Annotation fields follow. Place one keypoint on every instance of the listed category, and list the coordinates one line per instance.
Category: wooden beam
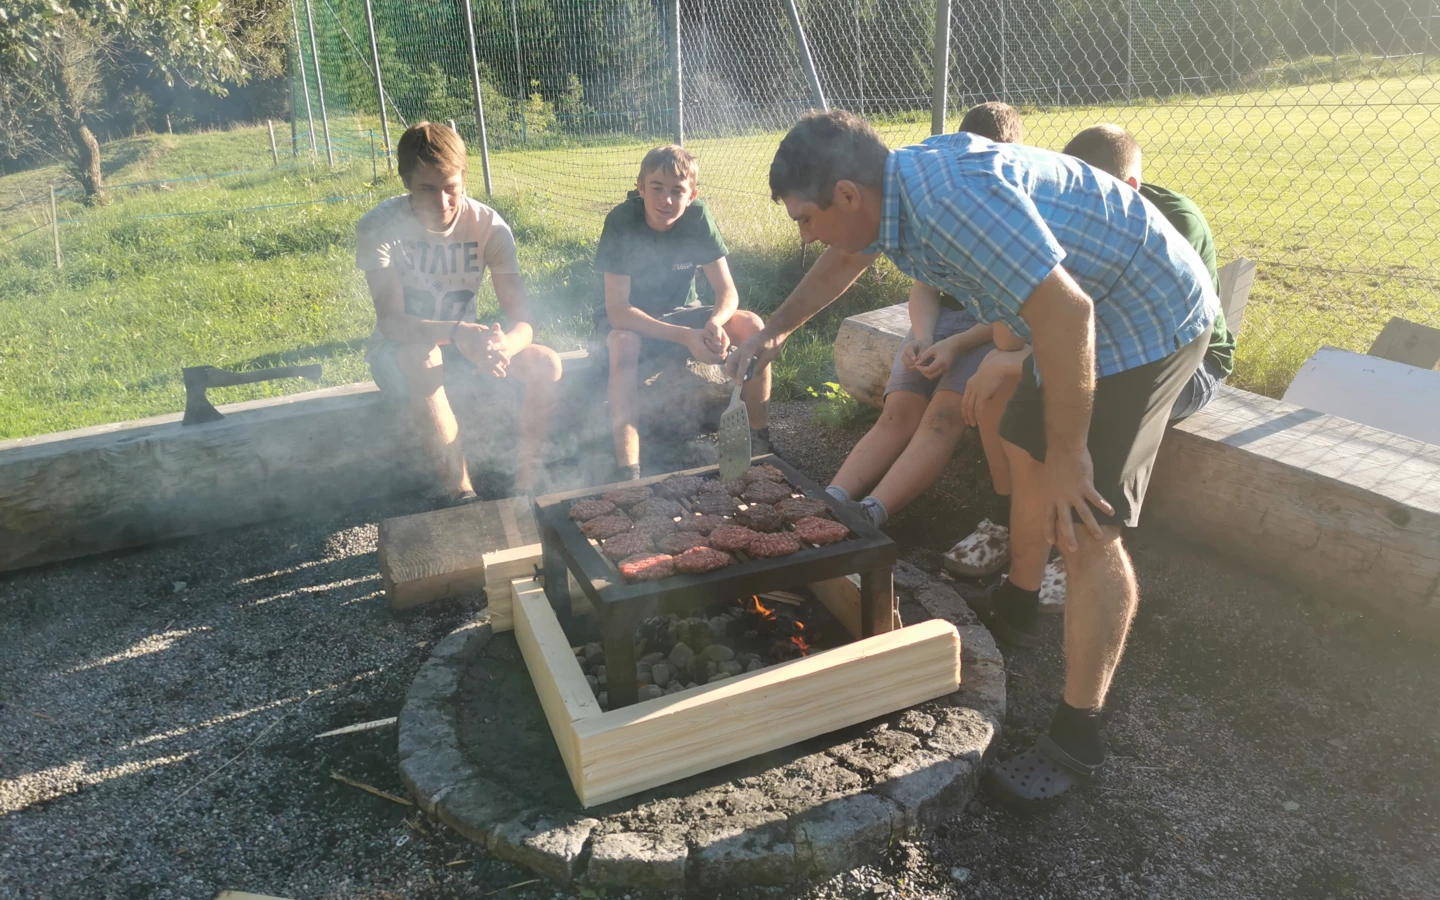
(841, 596)
(1409, 343)
(433, 555)
(564, 693)
(504, 566)
(1344, 509)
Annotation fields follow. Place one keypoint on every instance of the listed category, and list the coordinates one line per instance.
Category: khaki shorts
(1131, 411)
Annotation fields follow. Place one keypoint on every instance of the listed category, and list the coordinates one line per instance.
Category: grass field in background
(1307, 181)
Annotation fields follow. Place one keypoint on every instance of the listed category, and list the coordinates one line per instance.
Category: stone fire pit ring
(476, 752)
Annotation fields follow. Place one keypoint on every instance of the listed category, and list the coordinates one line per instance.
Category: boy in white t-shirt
(424, 255)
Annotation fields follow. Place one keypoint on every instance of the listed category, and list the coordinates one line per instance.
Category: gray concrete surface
(157, 740)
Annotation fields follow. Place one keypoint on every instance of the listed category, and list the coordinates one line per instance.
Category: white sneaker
(985, 552)
(1052, 586)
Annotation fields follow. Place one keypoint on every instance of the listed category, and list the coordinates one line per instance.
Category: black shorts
(654, 355)
(1126, 425)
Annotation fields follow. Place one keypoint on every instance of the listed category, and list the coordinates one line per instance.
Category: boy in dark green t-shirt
(649, 250)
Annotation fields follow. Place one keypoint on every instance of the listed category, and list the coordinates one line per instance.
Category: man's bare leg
(624, 396)
(925, 456)
(877, 451)
(539, 369)
(1099, 607)
(756, 393)
(423, 368)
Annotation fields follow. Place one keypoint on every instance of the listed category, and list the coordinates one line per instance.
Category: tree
(59, 54)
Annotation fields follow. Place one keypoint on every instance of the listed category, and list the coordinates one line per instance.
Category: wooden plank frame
(622, 752)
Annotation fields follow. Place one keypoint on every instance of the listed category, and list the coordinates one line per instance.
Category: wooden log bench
(1335, 506)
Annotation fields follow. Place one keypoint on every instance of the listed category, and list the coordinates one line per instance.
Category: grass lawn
(1331, 188)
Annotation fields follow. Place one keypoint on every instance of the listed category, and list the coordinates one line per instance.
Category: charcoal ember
(820, 531)
(763, 472)
(701, 524)
(760, 518)
(628, 544)
(767, 545)
(767, 492)
(680, 541)
(699, 560)
(656, 506)
(628, 496)
(585, 510)
(716, 504)
(655, 527)
(796, 508)
(605, 527)
(678, 486)
(733, 537)
(647, 566)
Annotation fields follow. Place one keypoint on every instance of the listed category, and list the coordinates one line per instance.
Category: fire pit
(621, 605)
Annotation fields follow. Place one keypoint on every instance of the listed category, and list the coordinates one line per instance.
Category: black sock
(628, 473)
(1077, 731)
(1002, 505)
(1016, 604)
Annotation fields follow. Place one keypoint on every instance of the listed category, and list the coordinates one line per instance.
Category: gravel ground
(158, 712)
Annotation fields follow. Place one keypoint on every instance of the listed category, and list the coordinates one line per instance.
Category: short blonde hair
(432, 144)
(672, 159)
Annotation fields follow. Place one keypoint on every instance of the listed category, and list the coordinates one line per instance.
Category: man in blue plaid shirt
(1118, 308)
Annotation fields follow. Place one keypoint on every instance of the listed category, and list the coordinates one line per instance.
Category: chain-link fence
(1307, 130)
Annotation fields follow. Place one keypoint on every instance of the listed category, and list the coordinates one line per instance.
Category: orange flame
(800, 642)
(761, 608)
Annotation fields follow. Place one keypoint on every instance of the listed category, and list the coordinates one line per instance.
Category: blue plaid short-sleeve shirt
(988, 222)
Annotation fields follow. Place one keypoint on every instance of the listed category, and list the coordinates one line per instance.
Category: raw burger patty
(656, 506)
(820, 531)
(716, 504)
(603, 527)
(647, 567)
(796, 508)
(774, 544)
(628, 496)
(655, 527)
(733, 537)
(701, 524)
(628, 544)
(585, 510)
(701, 560)
(677, 486)
(766, 492)
(761, 518)
(763, 472)
(680, 542)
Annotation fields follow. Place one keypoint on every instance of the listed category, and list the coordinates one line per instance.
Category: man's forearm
(1062, 328)
(831, 275)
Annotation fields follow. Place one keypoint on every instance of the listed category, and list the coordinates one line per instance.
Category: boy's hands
(716, 338)
(910, 352)
(982, 386)
(937, 359)
(699, 342)
(486, 348)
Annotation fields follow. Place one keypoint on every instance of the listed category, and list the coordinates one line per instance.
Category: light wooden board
(1339, 507)
(1376, 392)
(841, 596)
(503, 567)
(1409, 343)
(434, 555)
(1236, 279)
(655, 742)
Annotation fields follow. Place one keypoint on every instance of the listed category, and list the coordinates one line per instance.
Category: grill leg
(877, 601)
(620, 660)
(557, 583)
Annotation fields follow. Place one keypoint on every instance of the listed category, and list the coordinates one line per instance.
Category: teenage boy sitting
(1114, 151)
(424, 255)
(649, 250)
(906, 450)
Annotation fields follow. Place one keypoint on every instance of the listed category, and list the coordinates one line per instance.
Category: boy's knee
(945, 416)
(418, 363)
(624, 347)
(902, 411)
(744, 324)
(539, 364)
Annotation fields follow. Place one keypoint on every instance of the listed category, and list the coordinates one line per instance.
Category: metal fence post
(519, 69)
(806, 61)
(479, 103)
(859, 64)
(304, 83)
(379, 87)
(319, 87)
(55, 228)
(1004, 58)
(673, 11)
(940, 76)
(274, 154)
(1129, 50)
(1335, 40)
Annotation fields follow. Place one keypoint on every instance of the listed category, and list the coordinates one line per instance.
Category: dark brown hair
(1109, 148)
(1000, 122)
(822, 149)
(432, 144)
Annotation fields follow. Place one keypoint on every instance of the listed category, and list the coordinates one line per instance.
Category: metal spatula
(734, 437)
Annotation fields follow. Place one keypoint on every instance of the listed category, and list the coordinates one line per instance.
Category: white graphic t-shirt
(439, 271)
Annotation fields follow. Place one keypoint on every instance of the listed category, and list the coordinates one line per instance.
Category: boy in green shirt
(649, 250)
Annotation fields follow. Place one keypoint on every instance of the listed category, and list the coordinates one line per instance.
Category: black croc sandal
(1033, 780)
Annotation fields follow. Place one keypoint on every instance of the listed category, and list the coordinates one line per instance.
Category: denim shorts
(1202, 387)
